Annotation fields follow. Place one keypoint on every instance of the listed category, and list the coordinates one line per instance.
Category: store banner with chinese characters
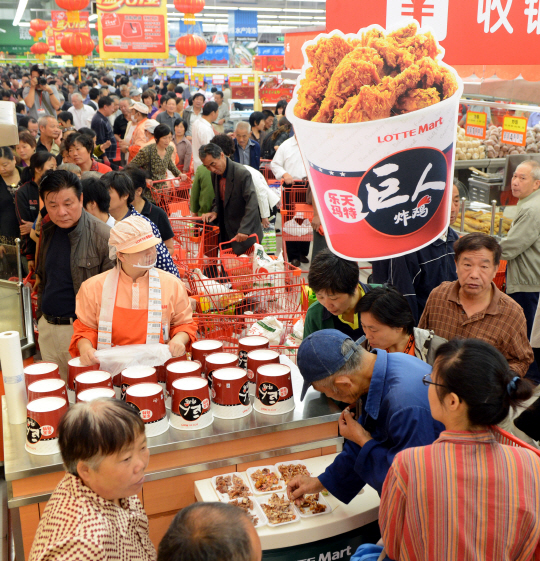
(482, 32)
(60, 27)
(243, 23)
(133, 28)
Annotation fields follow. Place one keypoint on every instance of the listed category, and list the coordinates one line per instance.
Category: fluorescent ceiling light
(2, 30)
(20, 12)
(260, 9)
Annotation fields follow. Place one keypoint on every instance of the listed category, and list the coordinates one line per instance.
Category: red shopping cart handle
(221, 248)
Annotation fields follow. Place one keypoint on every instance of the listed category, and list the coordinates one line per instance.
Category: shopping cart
(500, 277)
(172, 195)
(296, 214)
(194, 240)
(266, 170)
(260, 292)
(504, 437)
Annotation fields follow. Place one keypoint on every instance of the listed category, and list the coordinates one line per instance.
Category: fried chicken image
(324, 58)
(416, 99)
(361, 67)
(373, 77)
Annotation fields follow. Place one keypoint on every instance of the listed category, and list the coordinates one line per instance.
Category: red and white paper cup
(40, 371)
(42, 419)
(137, 375)
(247, 344)
(274, 389)
(95, 393)
(48, 387)
(386, 182)
(74, 369)
(230, 393)
(92, 379)
(201, 349)
(148, 400)
(180, 370)
(219, 360)
(162, 369)
(190, 406)
(258, 358)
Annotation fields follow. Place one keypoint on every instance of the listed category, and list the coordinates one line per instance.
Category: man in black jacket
(235, 202)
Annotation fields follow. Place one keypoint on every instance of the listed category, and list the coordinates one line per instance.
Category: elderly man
(39, 97)
(94, 512)
(521, 248)
(73, 248)
(82, 114)
(49, 131)
(235, 205)
(193, 112)
(31, 124)
(473, 307)
(102, 127)
(169, 116)
(416, 274)
(246, 151)
(223, 112)
(202, 131)
(135, 95)
(395, 411)
(210, 532)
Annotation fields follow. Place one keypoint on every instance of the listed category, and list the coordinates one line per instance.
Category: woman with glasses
(388, 323)
(466, 496)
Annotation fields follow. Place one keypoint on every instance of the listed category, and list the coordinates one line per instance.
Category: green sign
(15, 40)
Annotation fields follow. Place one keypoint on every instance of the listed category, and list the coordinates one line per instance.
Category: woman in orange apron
(134, 303)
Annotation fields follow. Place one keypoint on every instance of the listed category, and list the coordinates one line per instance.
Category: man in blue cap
(395, 411)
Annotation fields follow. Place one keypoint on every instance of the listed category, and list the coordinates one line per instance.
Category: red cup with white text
(230, 393)
(149, 401)
(48, 387)
(201, 349)
(92, 379)
(74, 369)
(42, 419)
(190, 406)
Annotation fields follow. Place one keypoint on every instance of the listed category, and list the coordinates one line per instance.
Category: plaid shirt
(79, 525)
(502, 323)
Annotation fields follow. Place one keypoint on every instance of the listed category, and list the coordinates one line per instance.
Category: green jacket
(318, 317)
(202, 192)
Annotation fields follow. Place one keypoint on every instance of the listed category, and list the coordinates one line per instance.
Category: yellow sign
(514, 131)
(133, 29)
(475, 125)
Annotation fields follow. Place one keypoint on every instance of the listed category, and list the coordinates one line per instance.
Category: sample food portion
(481, 222)
(288, 471)
(232, 485)
(246, 505)
(310, 505)
(279, 510)
(265, 480)
(372, 76)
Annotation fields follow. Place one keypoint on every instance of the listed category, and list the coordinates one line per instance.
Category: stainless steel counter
(314, 410)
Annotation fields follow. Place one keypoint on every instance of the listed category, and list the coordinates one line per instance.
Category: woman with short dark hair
(388, 323)
(157, 157)
(94, 511)
(466, 496)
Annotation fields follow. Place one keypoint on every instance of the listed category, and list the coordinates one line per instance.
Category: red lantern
(34, 33)
(79, 46)
(37, 26)
(72, 7)
(190, 8)
(191, 46)
(40, 50)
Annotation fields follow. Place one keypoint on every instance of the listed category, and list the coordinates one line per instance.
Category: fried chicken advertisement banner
(375, 117)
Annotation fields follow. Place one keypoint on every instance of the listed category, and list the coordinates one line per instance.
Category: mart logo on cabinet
(429, 13)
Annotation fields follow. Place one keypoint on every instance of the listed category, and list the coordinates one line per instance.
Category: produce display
(372, 76)
(481, 222)
(468, 148)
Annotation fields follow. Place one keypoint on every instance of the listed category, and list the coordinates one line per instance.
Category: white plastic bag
(298, 330)
(214, 294)
(116, 359)
(269, 327)
(292, 227)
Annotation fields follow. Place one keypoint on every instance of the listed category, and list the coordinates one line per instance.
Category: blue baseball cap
(319, 356)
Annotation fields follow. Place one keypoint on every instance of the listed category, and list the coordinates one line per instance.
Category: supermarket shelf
(487, 163)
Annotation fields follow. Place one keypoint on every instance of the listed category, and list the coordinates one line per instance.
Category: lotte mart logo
(428, 13)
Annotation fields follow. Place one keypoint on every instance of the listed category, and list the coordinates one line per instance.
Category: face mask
(133, 118)
(139, 266)
(147, 261)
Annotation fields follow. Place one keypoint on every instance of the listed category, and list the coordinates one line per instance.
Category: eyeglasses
(427, 381)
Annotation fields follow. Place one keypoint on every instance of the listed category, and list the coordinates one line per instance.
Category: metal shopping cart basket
(172, 195)
(504, 437)
(194, 240)
(296, 214)
(266, 170)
